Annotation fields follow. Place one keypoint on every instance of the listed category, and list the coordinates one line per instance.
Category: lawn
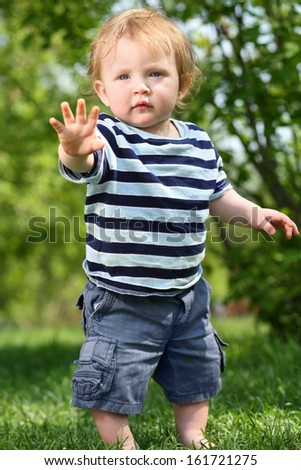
(258, 408)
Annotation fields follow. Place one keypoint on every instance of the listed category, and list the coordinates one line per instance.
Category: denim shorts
(131, 339)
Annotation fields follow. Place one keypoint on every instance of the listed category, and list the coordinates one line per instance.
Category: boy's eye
(155, 74)
(124, 76)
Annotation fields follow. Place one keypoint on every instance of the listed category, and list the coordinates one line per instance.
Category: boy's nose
(141, 88)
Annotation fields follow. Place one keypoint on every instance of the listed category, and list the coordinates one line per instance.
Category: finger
(97, 144)
(93, 117)
(81, 114)
(286, 224)
(67, 113)
(269, 228)
(267, 225)
(290, 230)
(94, 113)
(295, 230)
(57, 125)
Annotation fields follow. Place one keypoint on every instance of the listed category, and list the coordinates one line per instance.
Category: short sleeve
(222, 183)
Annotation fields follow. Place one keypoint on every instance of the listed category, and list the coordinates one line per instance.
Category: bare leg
(114, 428)
(191, 420)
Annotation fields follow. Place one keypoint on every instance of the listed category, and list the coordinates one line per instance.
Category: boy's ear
(101, 92)
(184, 85)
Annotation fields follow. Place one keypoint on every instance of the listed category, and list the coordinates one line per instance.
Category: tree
(251, 103)
(43, 54)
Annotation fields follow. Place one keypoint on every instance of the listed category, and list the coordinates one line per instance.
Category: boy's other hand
(270, 220)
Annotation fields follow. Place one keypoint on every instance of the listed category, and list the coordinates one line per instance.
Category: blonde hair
(154, 31)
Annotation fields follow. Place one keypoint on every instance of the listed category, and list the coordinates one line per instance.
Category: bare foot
(197, 442)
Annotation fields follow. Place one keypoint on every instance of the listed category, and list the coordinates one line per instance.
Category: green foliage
(272, 282)
(249, 103)
(258, 408)
(43, 54)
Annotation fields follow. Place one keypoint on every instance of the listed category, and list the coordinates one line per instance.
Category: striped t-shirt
(146, 206)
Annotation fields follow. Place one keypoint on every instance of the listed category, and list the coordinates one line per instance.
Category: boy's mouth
(142, 105)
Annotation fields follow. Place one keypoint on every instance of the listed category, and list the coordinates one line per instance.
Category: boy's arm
(235, 209)
(77, 137)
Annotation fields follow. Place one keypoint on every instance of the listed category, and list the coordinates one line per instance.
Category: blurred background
(250, 54)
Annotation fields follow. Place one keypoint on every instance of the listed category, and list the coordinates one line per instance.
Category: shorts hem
(106, 405)
(193, 397)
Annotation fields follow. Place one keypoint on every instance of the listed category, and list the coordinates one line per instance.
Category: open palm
(77, 134)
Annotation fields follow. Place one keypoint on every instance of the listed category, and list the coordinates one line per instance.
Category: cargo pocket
(98, 301)
(220, 345)
(80, 305)
(96, 368)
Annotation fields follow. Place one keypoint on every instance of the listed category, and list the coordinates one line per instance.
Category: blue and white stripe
(146, 206)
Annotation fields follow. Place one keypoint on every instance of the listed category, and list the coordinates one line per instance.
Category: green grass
(258, 408)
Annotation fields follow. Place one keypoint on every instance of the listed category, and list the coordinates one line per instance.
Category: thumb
(97, 144)
(57, 125)
(266, 226)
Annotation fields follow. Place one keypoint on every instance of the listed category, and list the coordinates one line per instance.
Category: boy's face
(140, 87)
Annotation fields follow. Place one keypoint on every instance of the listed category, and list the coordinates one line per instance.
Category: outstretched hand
(270, 220)
(235, 209)
(77, 134)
